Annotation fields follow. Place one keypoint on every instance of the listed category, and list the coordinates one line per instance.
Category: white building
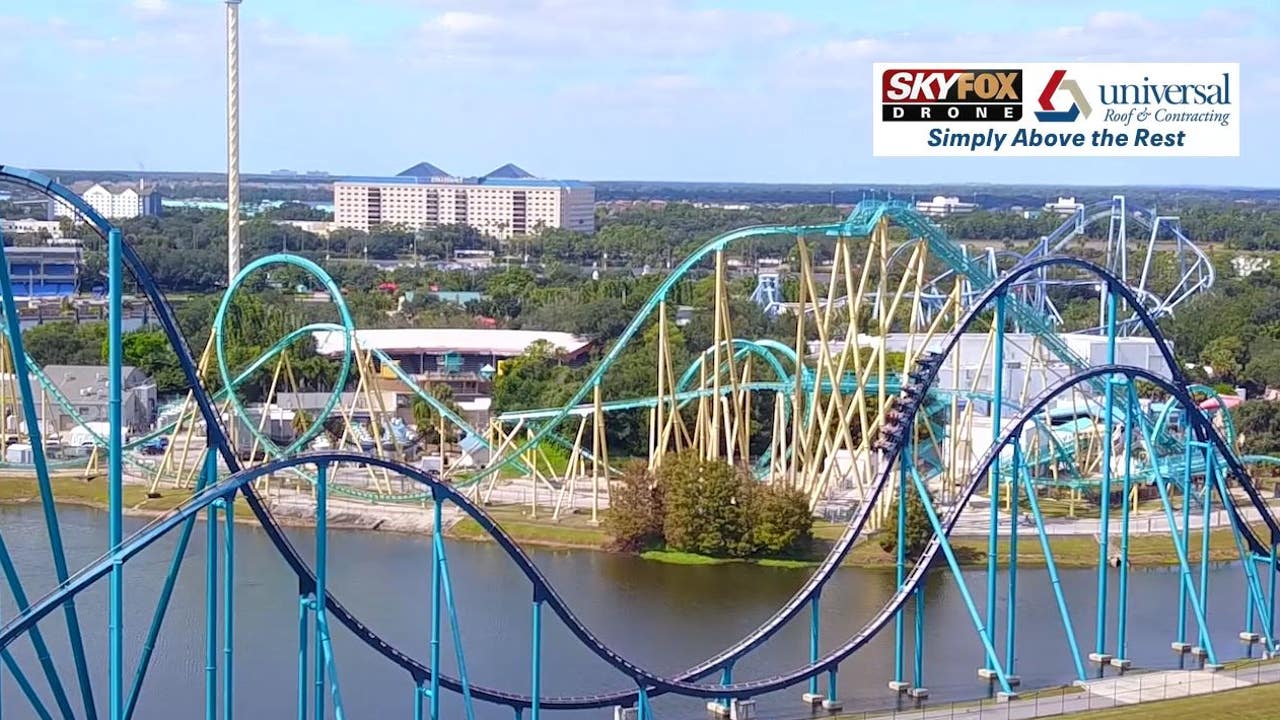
(1063, 206)
(504, 203)
(117, 203)
(27, 226)
(1029, 366)
(941, 206)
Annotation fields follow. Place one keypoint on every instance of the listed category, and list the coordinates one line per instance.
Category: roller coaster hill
(919, 372)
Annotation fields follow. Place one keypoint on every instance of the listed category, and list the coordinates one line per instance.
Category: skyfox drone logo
(950, 94)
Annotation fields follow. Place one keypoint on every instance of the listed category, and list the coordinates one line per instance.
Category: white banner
(1056, 109)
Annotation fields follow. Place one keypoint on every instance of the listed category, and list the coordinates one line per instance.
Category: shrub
(635, 515)
(782, 522)
(918, 528)
(706, 507)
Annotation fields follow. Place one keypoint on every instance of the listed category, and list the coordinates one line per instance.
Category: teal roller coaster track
(1195, 462)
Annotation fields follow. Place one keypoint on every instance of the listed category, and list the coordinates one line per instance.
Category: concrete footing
(1099, 658)
(1180, 647)
(742, 709)
(717, 708)
(832, 705)
(626, 713)
(1006, 696)
(986, 673)
(1250, 637)
(1212, 667)
(812, 699)
(1199, 651)
(1121, 663)
(899, 687)
(919, 693)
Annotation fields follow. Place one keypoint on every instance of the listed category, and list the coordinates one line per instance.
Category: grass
(1252, 703)
(672, 557)
(1069, 551)
(573, 531)
(74, 490)
(576, 531)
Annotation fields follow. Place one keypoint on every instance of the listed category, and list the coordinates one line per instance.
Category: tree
(782, 523)
(150, 352)
(1227, 356)
(1259, 422)
(636, 513)
(428, 420)
(919, 531)
(706, 506)
(535, 379)
(67, 343)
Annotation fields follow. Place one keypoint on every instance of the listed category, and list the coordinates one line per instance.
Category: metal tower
(233, 139)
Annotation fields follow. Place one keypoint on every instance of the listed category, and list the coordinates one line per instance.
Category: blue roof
(510, 171)
(424, 170)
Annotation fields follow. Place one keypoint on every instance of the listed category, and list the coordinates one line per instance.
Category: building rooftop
(490, 181)
(87, 384)
(70, 254)
(424, 170)
(506, 343)
(510, 171)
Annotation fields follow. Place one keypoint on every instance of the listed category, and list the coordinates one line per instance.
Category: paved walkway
(1100, 694)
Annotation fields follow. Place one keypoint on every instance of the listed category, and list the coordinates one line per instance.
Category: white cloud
(153, 6)
(457, 22)
(620, 32)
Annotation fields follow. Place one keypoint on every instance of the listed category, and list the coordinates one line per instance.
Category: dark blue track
(685, 683)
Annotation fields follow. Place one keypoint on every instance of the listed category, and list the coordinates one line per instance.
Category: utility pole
(233, 139)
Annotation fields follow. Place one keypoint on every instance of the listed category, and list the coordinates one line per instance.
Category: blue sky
(716, 90)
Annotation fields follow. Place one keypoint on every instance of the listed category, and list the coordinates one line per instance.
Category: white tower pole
(233, 139)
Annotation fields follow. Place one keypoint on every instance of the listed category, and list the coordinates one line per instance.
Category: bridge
(843, 417)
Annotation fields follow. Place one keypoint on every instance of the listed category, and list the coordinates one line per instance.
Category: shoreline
(575, 533)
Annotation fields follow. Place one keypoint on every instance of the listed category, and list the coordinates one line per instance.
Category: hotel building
(503, 203)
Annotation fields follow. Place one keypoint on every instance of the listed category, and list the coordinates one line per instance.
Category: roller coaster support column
(324, 663)
(1052, 567)
(1180, 546)
(23, 377)
(535, 690)
(1210, 472)
(898, 684)
(115, 467)
(435, 610)
(919, 692)
(993, 487)
(1121, 660)
(211, 613)
(813, 697)
(940, 537)
(1099, 654)
(1181, 645)
(1011, 607)
(228, 605)
(1271, 596)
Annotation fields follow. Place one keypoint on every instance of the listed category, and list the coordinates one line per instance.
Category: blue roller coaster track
(1211, 470)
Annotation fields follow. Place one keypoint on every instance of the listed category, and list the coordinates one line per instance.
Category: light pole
(233, 139)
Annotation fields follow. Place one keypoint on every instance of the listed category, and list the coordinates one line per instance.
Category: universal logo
(915, 95)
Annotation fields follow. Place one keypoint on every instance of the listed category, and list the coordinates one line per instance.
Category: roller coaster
(877, 400)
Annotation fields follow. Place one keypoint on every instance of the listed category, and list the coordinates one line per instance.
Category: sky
(675, 90)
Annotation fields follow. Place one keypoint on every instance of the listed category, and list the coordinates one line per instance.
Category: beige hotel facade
(497, 204)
